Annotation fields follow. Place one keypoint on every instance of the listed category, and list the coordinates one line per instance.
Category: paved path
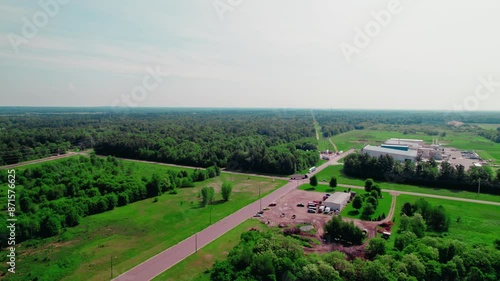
(396, 192)
(171, 256)
(69, 154)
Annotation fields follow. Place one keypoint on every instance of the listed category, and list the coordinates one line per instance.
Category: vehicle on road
(258, 215)
(272, 204)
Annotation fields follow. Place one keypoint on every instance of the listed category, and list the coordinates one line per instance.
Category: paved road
(69, 154)
(171, 256)
(396, 192)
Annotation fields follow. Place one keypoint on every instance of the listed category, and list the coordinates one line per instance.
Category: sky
(396, 54)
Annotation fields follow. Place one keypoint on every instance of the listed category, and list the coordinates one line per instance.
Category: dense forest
(426, 173)
(259, 140)
(252, 140)
(57, 195)
(272, 255)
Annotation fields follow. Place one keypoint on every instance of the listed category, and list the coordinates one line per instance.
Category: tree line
(252, 140)
(57, 195)
(425, 173)
(268, 255)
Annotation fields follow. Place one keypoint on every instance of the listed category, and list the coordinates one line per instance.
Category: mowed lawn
(336, 170)
(384, 207)
(196, 266)
(133, 233)
(479, 223)
(384, 204)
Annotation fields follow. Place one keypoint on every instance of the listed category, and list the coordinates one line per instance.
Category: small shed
(337, 201)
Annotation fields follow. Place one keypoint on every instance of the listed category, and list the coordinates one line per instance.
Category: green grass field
(479, 224)
(135, 232)
(488, 126)
(320, 188)
(324, 144)
(336, 170)
(384, 206)
(195, 266)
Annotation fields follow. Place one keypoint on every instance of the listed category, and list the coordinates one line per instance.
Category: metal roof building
(337, 201)
(409, 142)
(398, 155)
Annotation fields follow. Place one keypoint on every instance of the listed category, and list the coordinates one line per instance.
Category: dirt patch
(286, 208)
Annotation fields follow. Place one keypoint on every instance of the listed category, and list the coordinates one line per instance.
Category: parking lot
(455, 157)
(286, 207)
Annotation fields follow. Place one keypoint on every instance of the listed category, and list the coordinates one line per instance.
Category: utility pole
(260, 200)
(111, 259)
(479, 186)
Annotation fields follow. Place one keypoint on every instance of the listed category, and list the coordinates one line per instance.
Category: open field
(324, 144)
(134, 232)
(320, 188)
(479, 224)
(194, 267)
(336, 170)
(462, 140)
(488, 126)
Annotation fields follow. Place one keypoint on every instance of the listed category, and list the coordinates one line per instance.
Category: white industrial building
(397, 155)
(337, 201)
(411, 143)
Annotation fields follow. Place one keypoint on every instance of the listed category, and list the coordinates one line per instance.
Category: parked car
(272, 204)
(327, 210)
(257, 215)
(300, 205)
(311, 211)
(321, 208)
(260, 212)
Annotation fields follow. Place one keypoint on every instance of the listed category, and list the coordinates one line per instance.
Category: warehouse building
(337, 201)
(396, 154)
(411, 143)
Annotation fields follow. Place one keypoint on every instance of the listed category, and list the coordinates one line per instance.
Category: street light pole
(479, 186)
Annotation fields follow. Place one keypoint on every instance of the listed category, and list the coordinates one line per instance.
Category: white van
(327, 210)
(321, 208)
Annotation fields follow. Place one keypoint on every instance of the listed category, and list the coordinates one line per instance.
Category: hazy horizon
(382, 55)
